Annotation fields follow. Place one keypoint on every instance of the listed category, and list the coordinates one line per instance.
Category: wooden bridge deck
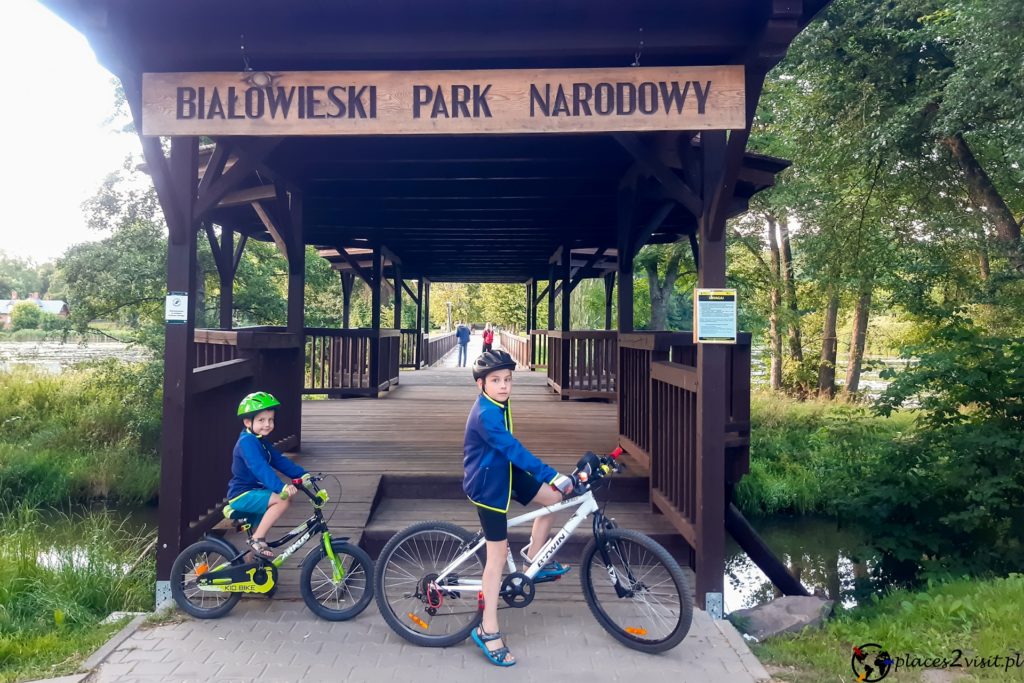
(399, 458)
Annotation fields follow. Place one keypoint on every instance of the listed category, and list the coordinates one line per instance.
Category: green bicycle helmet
(256, 402)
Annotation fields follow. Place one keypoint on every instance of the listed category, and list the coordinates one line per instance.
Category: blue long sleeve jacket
(253, 463)
(490, 450)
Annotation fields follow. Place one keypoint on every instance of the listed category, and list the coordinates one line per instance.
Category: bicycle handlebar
(584, 480)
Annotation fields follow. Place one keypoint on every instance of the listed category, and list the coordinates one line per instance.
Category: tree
(664, 265)
(26, 315)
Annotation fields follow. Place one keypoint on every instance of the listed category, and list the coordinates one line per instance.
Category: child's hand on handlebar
(563, 484)
(288, 491)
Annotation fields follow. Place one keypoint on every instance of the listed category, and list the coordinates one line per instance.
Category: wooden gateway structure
(415, 142)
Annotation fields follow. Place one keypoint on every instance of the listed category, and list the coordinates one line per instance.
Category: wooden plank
(675, 374)
(444, 102)
(218, 374)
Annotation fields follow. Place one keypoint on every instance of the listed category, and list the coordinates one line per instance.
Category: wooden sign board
(443, 102)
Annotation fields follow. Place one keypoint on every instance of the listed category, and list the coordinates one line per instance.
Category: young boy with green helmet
(255, 489)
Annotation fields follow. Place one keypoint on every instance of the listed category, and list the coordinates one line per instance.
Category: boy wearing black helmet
(498, 468)
(255, 488)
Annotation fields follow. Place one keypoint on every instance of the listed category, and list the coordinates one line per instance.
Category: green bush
(25, 316)
(952, 494)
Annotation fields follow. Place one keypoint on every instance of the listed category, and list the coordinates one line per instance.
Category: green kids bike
(209, 577)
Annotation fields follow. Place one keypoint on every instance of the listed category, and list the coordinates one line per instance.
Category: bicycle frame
(587, 506)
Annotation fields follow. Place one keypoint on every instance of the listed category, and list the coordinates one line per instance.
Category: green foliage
(89, 432)
(980, 618)
(26, 316)
(59, 576)
(957, 503)
(807, 457)
(23, 276)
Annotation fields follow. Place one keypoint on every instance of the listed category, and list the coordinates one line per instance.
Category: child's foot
(260, 549)
(552, 570)
(493, 646)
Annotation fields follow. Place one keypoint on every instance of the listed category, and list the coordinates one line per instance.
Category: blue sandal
(497, 657)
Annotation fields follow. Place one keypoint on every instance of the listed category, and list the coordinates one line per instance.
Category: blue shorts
(253, 503)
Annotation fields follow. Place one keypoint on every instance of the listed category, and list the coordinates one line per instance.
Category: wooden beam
(276, 231)
(218, 258)
(408, 289)
(557, 256)
(391, 256)
(215, 166)
(248, 158)
(651, 164)
(366, 277)
(643, 234)
(238, 253)
(625, 201)
(247, 196)
(582, 270)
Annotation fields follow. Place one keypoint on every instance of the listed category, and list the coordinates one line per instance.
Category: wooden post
(426, 306)
(609, 288)
(398, 296)
(296, 267)
(226, 271)
(531, 288)
(348, 279)
(375, 345)
(625, 202)
(565, 347)
(711, 399)
(551, 296)
(179, 351)
(419, 323)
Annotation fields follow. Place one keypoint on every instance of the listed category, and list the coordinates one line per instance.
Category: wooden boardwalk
(399, 459)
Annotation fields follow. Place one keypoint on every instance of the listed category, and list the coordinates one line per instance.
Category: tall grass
(980, 618)
(58, 579)
(805, 456)
(90, 432)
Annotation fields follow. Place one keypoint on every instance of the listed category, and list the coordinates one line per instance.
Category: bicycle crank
(517, 590)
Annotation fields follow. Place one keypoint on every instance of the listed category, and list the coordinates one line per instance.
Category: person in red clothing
(488, 338)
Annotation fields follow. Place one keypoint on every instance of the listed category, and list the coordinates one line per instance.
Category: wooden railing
(407, 355)
(258, 358)
(436, 346)
(659, 415)
(582, 364)
(517, 346)
(539, 351)
(359, 362)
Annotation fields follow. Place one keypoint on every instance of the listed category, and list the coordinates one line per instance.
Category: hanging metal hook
(639, 48)
(245, 56)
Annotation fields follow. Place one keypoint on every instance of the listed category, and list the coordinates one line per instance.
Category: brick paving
(282, 641)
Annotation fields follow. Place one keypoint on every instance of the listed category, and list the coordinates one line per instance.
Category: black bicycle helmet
(491, 361)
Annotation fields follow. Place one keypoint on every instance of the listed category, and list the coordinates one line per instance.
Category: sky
(56, 145)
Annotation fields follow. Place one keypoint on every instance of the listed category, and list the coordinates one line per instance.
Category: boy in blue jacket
(255, 488)
(497, 469)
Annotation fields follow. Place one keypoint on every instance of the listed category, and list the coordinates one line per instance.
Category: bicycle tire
(180, 578)
(317, 585)
(447, 537)
(640, 611)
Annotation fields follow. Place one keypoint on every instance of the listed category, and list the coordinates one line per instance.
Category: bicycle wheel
(337, 600)
(195, 560)
(655, 615)
(417, 609)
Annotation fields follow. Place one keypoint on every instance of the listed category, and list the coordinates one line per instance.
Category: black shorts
(524, 490)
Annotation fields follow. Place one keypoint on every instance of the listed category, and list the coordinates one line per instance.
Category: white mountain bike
(429, 576)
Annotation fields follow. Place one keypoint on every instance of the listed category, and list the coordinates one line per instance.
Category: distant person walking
(462, 336)
(488, 338)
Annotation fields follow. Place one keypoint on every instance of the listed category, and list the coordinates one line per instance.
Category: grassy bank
(980, 618)
(804, 455)
(90, 432)
(58, 579)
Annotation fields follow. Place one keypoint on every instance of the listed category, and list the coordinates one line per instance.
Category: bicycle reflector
(419, 622)
(202, 569)
(636, 631)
